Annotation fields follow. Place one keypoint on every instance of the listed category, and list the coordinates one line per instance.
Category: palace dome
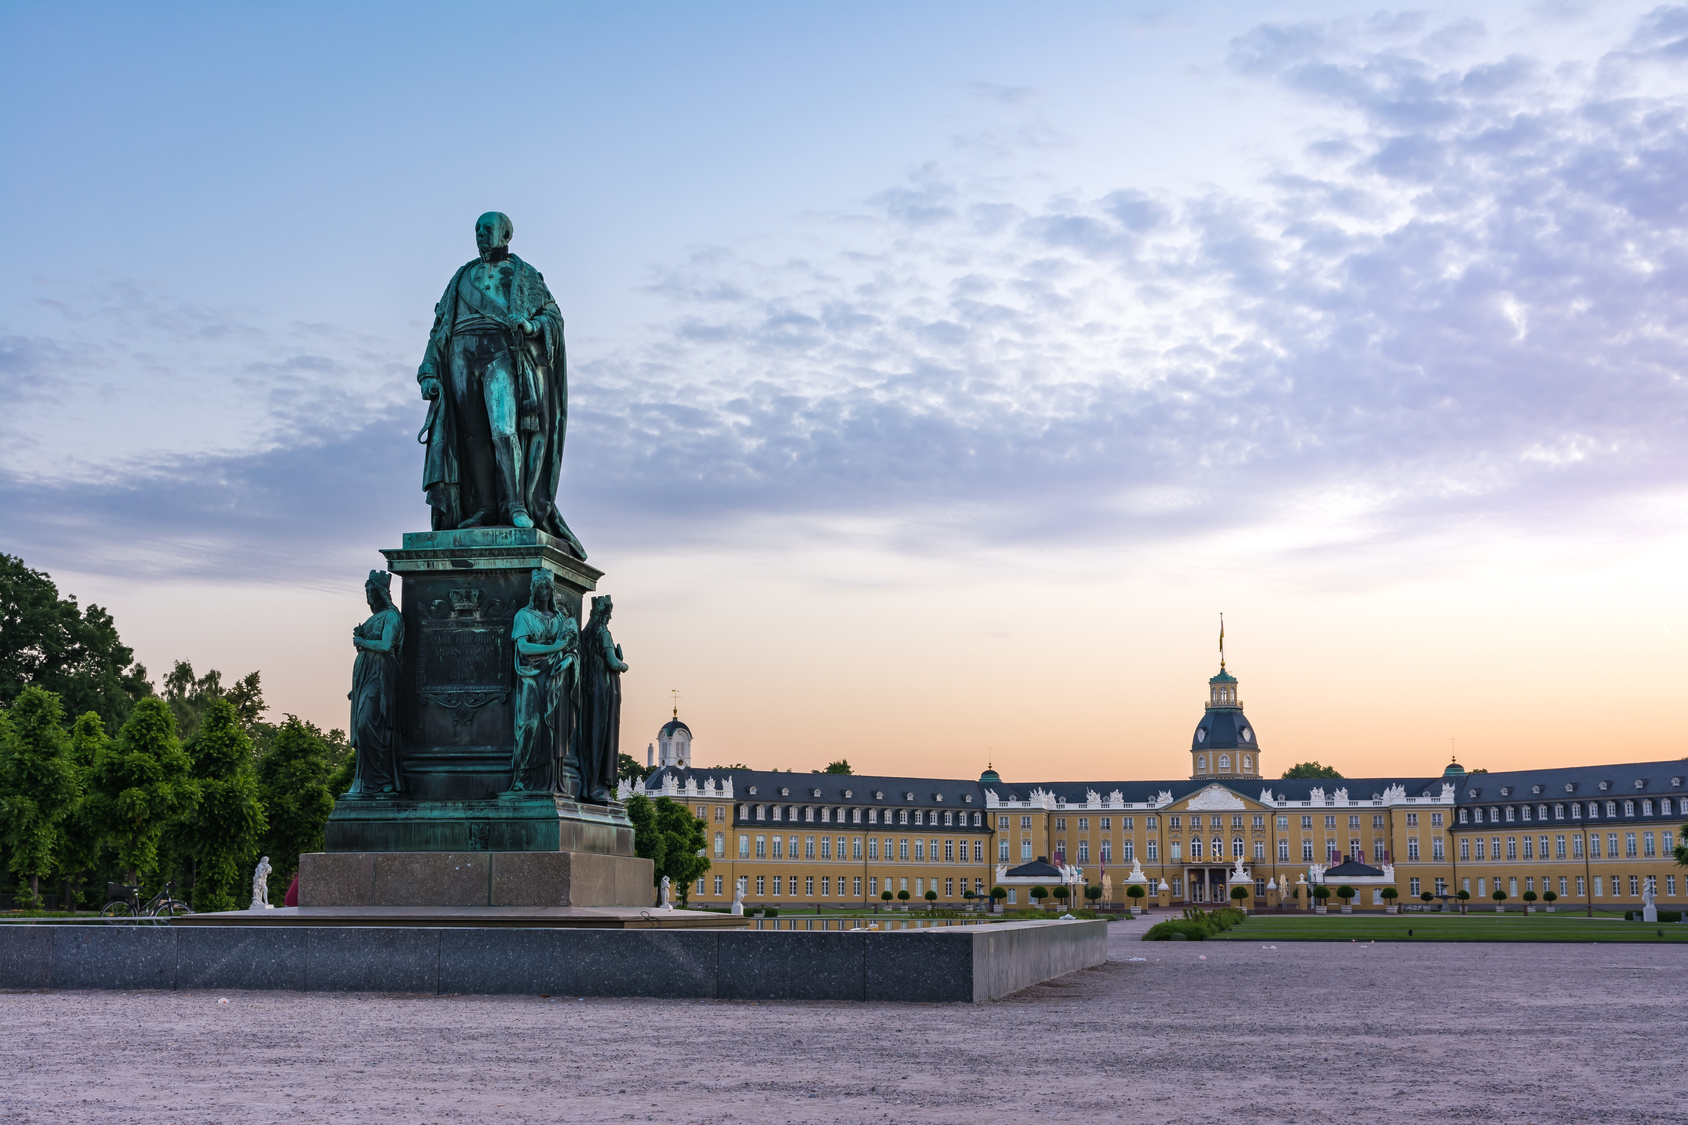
(671, 726)
(1225, 729)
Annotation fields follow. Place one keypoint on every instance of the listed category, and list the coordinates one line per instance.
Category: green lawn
(1476, 926)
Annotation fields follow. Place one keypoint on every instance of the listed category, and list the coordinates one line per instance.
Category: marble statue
(261, 886)
(667, 894)
(1649, 909)
(379, 642)
(1237, 872)
(738, 897)
(496, 379)
(547, 649)
(1136, 875)
(597, 734)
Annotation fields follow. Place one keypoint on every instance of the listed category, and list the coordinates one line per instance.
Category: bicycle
(126, 903)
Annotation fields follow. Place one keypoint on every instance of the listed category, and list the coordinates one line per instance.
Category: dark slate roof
(1222, 729)
(775, 787)
(1036, 869)
(673, 725)
(1359, 788)
(1353, 869)
(1576, 783)
(1223, 677)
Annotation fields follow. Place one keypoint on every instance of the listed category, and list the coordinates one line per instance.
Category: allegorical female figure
(375, 692)
(547, 648)
(597, 734)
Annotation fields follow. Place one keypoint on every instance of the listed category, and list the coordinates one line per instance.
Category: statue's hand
(430, 388)
(529, 328)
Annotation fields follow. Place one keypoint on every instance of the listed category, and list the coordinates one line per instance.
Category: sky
(939, 373)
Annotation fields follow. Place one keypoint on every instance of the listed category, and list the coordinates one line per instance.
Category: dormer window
(783, 792)
(848, 794)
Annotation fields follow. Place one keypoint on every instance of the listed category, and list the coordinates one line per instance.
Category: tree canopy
(293, 779)
(672, 838)
(39, 784)
(140, 785)
(50, 642)
(840, 766)
(190, 698)
(223, 832)
(1312, 769)
(627, 768)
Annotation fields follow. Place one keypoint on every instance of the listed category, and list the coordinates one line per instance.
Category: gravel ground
(1300, 1032)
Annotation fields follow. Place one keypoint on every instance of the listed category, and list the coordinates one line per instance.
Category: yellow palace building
(1591, 835)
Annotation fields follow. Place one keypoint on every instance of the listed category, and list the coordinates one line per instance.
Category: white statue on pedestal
(1136, 875)
(1649, 911)
(738, 897)
(261, 886)
(667, 895)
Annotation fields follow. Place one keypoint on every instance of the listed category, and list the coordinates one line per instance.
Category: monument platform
(511, 822)
(474, 879)
(474, 917)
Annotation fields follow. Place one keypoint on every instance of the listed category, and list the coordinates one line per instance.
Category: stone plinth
(451, 879)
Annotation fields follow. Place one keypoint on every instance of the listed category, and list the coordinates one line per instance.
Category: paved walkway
(1303, 1033)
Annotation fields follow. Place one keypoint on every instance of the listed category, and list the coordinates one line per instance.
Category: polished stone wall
(963, 964)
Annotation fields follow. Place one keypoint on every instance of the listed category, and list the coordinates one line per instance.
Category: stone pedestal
(474, 879)
(1649, 913)
(456, 835)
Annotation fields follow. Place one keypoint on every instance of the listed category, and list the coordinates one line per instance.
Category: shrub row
(1195, 925)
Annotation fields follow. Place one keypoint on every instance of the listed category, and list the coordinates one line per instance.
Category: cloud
(1462, 300)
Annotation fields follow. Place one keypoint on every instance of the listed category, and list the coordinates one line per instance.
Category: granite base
(474, 878)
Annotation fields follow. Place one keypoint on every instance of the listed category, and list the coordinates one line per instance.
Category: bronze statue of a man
(496, 377)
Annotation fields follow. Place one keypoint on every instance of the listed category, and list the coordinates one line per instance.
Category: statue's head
(493, 231)
(601, 606)
(378, 589)
(542, 588)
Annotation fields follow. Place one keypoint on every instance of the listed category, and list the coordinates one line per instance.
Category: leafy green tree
(670, 837)
(224, 831)
(627, 768)
(190, 698)
(140, 785)
(840, 766)
(50, 642)
(1312, 769)
(80, 848)
(293, 782)
(38, 785)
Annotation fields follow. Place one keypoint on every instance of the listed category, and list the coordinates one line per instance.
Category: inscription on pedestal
(465, 657)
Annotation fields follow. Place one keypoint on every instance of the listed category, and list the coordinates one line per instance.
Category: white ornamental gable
(1216, 797)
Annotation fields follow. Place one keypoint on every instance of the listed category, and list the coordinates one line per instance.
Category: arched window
(1224, 761)
(1201, 763)
(1248, 764)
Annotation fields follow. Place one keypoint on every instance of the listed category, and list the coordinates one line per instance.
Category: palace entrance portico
(1207, 884)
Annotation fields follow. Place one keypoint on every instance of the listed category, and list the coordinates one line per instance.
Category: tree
(997, 895)
(1499, 896)
(903, 897)
(1462, 896)
(1426, 896)
(1390, 894)
(931, 897)
(886, 896)
(38, 784)
(1039, 894)
(670, 837)
(293, 785)
(80, 848)
(223, 833)
(1346, 894)
(627, 768)
(737, 766)
(140, 786)
(1321, 893)
(1094, 894)
(1312, 769)
(1238, 894)
(50, 642)
(1135, 892)
(1061, 894)
(840, 766)
(190, 698)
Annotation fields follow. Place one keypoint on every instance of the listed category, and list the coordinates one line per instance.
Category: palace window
(1647, 808)
(1355, 850)
(1237, 847)
(1511, 848)
(809, 886)
(1195, 847)
(776, 886)
(744, 847)
(1283, 822)
(1441, 886)
(949, 888)
(1670, 885)
(1084, 850)
(1107, 851)
(1025, 850)
(1248, 766)
(1464, 849)
(902, 849)
(1558, 847)
(1353, 822)
(1260, 849)
(1237, 822)
(1576, 849)
(777, 850)
(1060, 824)
(1594, 845)
(949, 817)
(720, 845)
(1412, 887)
(1002, 850)
(1084, 824)
(1377, 821)
(761, 885)
(826, 886)
(1634, 887)
(1611, 845)
(856, 848)
(1307, 848)
(1002, 822)
(1330, 822)
(1306, 822)
(1611, 811)
(808, 847)
(855, 886)
(1629, 808)
(1283, 850)
(1151, 848)
(1462, 819)
(1510, 810)
(1148, 822)
(1412, 847)
(1224, 761)
(1435, 820)
(1175, 822)
(1664, 807)
(826, 847)
(718, 884)
(1629, 845)
(1025, 822)
(1436, 850)
(1201, 763)
(1176, 850)
(1377, 849)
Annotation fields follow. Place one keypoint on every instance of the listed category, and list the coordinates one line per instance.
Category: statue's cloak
(542, 375)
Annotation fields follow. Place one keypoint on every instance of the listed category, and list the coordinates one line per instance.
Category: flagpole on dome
(1221, 642)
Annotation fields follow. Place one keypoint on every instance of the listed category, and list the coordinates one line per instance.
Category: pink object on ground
(292, 896)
